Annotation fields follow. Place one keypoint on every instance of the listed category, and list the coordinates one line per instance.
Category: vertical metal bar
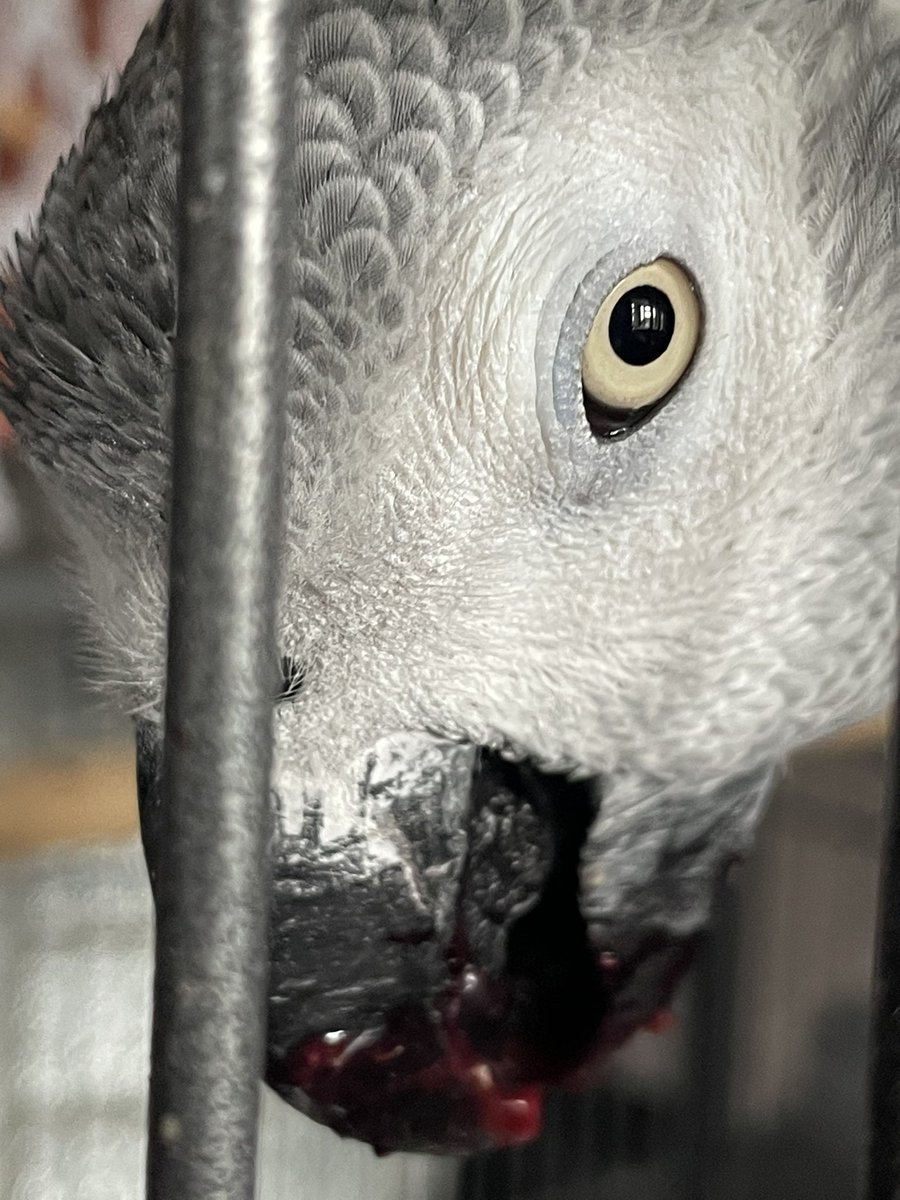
(884, 1079)
(213, 888)
(710, 1051)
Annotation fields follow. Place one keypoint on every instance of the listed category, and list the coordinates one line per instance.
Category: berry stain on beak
(467, 1069)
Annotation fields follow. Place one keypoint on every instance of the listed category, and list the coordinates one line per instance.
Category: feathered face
(592, 500)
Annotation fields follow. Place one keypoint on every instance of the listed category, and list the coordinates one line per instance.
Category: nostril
(292, 677)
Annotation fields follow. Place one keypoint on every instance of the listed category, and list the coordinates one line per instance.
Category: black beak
(425, 999)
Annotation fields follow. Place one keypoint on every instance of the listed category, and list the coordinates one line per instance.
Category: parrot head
(591, 501)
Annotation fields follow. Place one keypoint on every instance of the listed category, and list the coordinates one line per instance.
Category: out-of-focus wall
(55, 56)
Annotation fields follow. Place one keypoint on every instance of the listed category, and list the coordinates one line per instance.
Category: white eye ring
(611, 382)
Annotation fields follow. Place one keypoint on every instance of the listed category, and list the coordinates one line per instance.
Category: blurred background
(757, 1089)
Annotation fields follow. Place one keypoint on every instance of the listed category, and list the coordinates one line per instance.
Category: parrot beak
(426, 1003)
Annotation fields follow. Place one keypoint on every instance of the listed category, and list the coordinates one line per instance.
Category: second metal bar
(884, 1082)
(213, 882)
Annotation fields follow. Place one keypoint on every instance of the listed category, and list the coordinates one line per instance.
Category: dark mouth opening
(537, 1020)
(530, 1000)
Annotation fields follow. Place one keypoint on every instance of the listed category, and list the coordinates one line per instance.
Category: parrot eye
(639, 347)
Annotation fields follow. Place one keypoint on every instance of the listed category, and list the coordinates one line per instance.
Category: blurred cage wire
(762, 1089)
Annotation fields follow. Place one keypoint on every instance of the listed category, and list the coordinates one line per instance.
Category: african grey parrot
(592, 499)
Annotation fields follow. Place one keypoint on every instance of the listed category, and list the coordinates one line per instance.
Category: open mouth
(431, 969)
(517, 997)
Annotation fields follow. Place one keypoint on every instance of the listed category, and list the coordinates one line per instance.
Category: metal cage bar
(213, 889)
(884, 1089)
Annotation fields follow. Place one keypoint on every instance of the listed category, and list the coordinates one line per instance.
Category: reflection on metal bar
(231, 374)
(884, 1094)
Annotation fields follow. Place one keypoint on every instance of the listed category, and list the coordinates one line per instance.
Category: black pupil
(641, 326)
